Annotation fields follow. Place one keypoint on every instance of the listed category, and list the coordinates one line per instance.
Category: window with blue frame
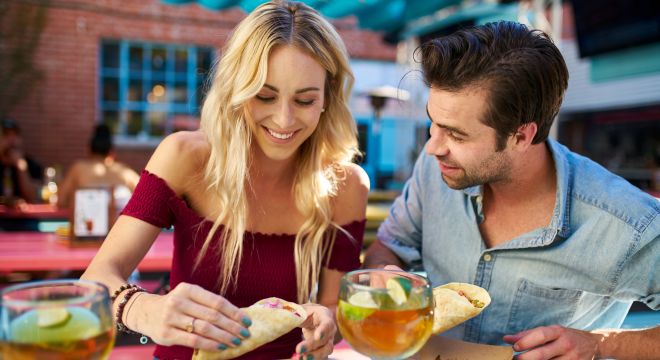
(149, 90)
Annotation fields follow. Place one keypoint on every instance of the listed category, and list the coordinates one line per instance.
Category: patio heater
(378, 97)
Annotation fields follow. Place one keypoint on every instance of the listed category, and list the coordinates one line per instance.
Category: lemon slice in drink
(398, 288)
(52, 317)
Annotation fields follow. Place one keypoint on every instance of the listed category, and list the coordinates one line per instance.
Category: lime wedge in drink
(363, 299)
(52, 317)
(353, 312)
(399, 289)
(359, 306)
(73, 323)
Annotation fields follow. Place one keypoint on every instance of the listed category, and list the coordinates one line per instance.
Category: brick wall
(57, 117)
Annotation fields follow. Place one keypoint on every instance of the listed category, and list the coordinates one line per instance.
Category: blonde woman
(264, 198)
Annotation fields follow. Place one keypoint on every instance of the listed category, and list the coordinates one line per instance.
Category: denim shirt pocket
(535, 305)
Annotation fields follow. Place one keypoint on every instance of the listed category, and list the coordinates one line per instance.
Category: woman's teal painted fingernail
(310, 357)
(303, 349)
(245, 333)
(236, 341)
(246, 321)
(222, 347)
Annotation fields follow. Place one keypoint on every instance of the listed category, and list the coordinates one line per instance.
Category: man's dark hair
(101, 142)
(522, 70)
(9, 125)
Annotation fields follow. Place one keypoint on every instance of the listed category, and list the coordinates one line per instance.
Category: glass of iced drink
(56, 319)
(385, 314)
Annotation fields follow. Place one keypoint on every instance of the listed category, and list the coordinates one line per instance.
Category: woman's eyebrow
(307, 89)
(275, 89)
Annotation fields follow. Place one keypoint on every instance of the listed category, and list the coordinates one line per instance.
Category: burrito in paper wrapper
(456, 303)
(271, 318)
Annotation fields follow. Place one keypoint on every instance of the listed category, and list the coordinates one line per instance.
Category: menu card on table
(92, 215)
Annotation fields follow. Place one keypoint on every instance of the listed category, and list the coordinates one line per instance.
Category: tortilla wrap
(452, 308)
(271, 318)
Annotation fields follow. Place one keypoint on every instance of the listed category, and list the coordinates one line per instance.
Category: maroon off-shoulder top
(267, 266)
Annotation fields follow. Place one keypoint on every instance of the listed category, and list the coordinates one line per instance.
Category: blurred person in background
(100, 169)
(264, 199)
(21, 175)
(563, 246)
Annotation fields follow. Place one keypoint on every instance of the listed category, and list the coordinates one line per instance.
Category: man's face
(10, 140)
(464, 147)
(10, 146)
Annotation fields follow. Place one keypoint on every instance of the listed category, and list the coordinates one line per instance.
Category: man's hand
(378, 256)
(556, 342)
(16, 158)
(550, 342)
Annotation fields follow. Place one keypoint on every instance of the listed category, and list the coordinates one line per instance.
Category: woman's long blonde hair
(239, 76)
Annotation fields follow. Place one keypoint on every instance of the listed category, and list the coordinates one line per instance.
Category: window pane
(157, 80)
(158, 59)
(181, 60)
(204, 60)
(157, 93)
(111, 118)
(135, 92)
(110, 89)
(157, 123)
(180, 92)
(135, 58)
(134, 122)
(110, 59)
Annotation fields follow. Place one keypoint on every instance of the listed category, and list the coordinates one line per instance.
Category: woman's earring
(322, 109)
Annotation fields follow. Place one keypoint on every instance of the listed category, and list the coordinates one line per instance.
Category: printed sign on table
(91, 214)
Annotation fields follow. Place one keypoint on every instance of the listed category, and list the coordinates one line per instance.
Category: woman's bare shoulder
(185, 142)
(351, 201)
(180, 157)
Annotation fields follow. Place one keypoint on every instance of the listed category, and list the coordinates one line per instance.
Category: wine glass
(56, 319)
(385, 314)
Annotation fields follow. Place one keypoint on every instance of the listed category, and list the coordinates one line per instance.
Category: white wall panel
(583, 95)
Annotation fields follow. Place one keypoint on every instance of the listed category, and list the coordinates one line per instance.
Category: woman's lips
(278, 136)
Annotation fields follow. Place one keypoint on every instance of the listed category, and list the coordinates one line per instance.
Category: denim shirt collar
(559, 226)
(561, 214)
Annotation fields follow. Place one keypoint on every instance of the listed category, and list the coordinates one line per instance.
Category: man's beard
(495, 168)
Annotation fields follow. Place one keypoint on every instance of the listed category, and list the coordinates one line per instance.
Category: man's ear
(525, 135)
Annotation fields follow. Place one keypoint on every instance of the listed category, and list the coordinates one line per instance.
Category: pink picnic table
(38, 251)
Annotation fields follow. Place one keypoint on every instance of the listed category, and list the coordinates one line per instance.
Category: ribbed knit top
(267, 265)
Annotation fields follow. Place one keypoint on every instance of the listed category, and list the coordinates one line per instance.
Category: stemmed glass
(385, 314)
(56, 319)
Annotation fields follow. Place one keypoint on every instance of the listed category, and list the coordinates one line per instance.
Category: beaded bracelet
(121, 289)
(120, 309)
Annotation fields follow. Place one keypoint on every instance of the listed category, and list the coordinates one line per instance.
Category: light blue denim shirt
(600, 252)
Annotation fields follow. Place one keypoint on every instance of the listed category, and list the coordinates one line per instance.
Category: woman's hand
(190, 316)
(318, 332)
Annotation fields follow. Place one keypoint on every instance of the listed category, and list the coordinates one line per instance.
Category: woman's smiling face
(287, 109)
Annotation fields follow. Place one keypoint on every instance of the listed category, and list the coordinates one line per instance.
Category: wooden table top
(35, 251)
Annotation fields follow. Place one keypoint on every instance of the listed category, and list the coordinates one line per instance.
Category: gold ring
(191, 327)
